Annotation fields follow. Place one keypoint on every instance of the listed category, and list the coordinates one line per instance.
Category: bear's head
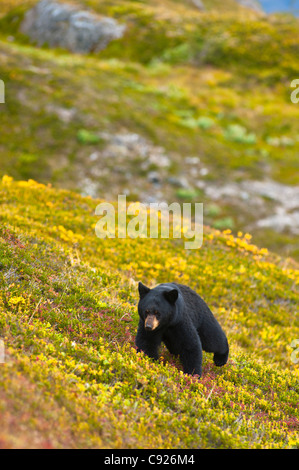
(157, 307)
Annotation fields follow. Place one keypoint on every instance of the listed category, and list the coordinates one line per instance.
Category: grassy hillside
(193, 85)
(68, 318)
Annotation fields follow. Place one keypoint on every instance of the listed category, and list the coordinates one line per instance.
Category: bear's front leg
(148, 341)
(191, 350)
(192, 361)
(188, 346)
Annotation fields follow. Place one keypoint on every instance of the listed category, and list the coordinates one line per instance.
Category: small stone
(154, 177)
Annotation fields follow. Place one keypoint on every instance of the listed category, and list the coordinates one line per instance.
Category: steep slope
(71, 376)
(192, 88)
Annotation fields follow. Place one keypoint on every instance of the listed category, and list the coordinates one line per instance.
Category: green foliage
(282, 141)
(204, 122)
(237, 133)
(188, 120)
(212, 210)
(178, 54)
(187, 194)
(87, 137)
(224, 223)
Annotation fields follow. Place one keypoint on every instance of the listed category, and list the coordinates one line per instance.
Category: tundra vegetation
(68, 318)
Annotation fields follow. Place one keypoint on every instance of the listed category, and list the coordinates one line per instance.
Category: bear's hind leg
(213, 339)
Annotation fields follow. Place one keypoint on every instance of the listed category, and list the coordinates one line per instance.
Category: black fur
(186, 326)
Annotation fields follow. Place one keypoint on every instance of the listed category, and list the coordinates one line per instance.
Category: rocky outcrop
(275, 205)
(61, 25)
(252, 4)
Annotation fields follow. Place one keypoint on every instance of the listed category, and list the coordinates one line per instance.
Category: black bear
(178, 316)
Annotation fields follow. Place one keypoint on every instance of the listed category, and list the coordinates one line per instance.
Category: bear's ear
(171, 295)
(143, 290)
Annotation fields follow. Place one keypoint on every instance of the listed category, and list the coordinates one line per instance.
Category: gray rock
(252, 4)
(154, 178)
(192, 160)
(179, 182)
(230, 190)
(281, 221)
(61, 25)
(256, 197)
(159, 160)
(284, 195)
(64, 114)
(131, 146)
(199, 4)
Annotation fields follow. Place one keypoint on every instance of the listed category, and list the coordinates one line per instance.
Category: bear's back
(195, 306)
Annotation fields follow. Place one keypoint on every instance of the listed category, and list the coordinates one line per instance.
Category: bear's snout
(151, 322)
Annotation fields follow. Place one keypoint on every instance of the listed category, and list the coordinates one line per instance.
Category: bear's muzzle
(151, 323)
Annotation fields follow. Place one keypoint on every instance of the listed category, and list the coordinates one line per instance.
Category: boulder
(199, 4)
(62, 25)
